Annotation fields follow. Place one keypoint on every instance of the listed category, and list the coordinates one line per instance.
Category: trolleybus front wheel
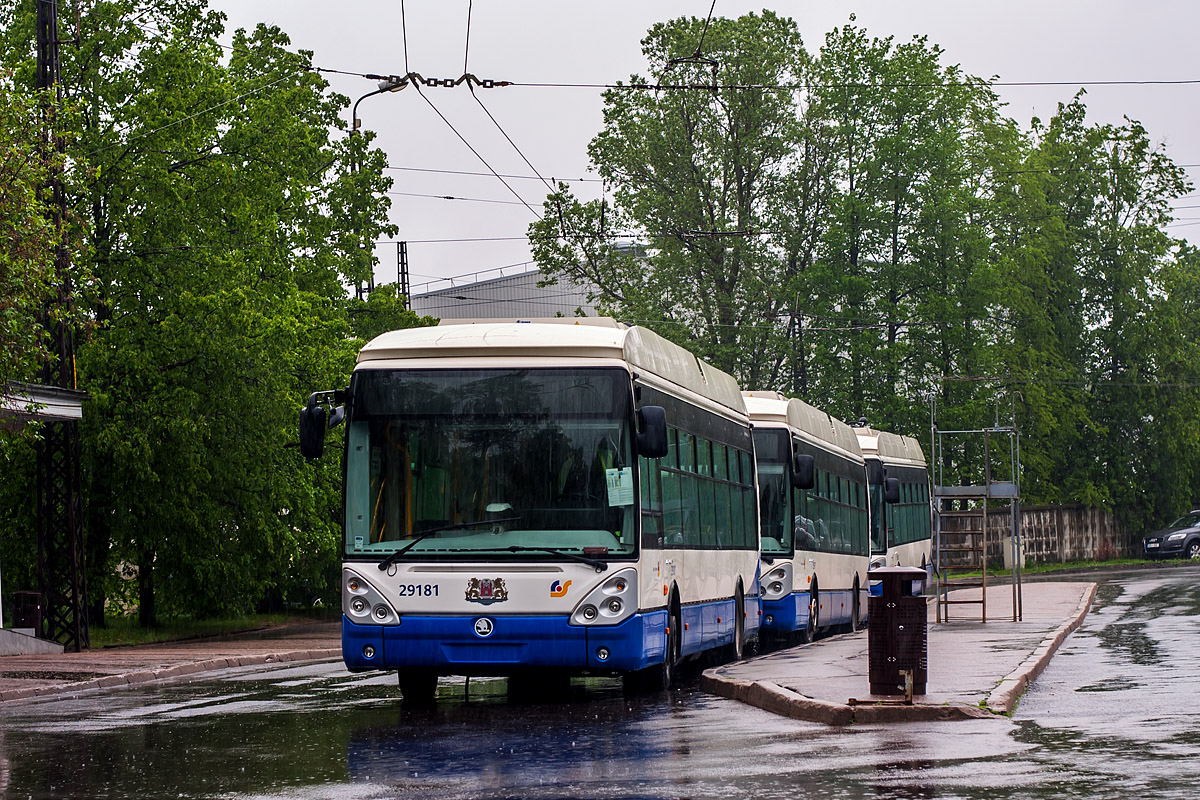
(660, 677)
(736, 651)
(418, 687)
(809, 633)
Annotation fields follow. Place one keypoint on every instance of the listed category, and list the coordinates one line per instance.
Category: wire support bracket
(417, 79)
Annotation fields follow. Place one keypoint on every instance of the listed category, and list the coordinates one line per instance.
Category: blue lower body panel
(451, 646)
(790, 613)
(787, 614)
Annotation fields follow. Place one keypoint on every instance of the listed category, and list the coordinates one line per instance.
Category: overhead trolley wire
(452, 197)
(490, 175)
(417, 85)
(660, 87)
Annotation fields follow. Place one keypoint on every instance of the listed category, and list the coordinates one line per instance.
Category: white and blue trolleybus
(538, 500)
(901, 510)
(813, 511)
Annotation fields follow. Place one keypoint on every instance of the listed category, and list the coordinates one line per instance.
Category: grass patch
(127, 631)
(1071, 566)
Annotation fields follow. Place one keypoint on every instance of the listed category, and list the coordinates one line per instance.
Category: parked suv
(1180, 539)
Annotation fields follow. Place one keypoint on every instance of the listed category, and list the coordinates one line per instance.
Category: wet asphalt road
(1113, 716)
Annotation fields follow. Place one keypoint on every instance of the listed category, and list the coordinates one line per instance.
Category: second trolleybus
(813, 509)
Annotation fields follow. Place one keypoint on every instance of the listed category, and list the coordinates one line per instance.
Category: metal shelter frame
(960, 548)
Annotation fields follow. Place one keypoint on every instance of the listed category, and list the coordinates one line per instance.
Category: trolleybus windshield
(490, 463)
(776, 520)
(875, 475)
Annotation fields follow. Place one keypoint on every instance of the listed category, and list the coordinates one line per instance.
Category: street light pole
(386, 84)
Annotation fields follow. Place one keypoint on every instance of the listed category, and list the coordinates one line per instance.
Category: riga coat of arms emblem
(486, 590)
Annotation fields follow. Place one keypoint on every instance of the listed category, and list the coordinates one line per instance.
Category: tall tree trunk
(147, 613)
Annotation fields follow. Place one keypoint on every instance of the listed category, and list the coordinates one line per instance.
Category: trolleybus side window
(652, 502)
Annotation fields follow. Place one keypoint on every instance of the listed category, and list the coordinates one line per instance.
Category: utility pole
(61, 574)
(402, 271)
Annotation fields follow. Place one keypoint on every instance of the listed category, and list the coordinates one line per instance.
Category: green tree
(865, 228)
(220, 216)
(28, 238)
(1092, 280)
(902, 278)
(694, 173)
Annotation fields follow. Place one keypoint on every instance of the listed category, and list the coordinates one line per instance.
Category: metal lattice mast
(61, 572)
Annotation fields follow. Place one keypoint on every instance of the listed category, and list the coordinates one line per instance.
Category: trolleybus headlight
(610, 602)
(602, 654)
(365, 603)
(775, 588)
(368, 651)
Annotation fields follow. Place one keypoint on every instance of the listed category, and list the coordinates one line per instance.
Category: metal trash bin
(898, 636)
(28, 611)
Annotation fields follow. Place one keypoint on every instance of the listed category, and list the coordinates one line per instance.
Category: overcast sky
(1081, 42)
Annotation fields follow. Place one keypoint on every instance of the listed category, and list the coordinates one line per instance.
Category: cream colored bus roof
(560, 337)
(890, 448)
(776, 407)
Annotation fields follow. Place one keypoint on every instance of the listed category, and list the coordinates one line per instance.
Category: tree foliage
(27, 238)
(864, 227)
(225, 224)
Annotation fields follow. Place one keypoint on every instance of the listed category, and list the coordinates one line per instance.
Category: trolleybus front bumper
(483, 644)
(788, 613)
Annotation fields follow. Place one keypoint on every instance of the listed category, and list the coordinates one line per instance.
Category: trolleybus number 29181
(418, 589)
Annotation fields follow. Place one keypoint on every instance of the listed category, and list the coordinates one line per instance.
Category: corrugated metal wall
(505, 297)
(1050, 534)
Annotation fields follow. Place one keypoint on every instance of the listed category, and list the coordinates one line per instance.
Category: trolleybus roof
(891, 448)
(777, 407)
(560, 337)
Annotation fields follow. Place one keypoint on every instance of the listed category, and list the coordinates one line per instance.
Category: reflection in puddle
(1110, 686)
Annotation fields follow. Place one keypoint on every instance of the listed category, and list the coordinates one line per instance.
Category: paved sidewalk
(25, 677)
(975, 669)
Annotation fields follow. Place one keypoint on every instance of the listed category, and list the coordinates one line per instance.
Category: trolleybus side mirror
(891, 490)
(652, 432)
(315, 420)
(804, 471)
(312, 430)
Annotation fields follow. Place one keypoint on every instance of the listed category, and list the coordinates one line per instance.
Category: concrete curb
(777, 699)
(1003, 698)
(166, 673)
(770, 696)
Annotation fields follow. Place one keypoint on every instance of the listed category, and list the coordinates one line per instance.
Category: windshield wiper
(599, 564)
(391, 558)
